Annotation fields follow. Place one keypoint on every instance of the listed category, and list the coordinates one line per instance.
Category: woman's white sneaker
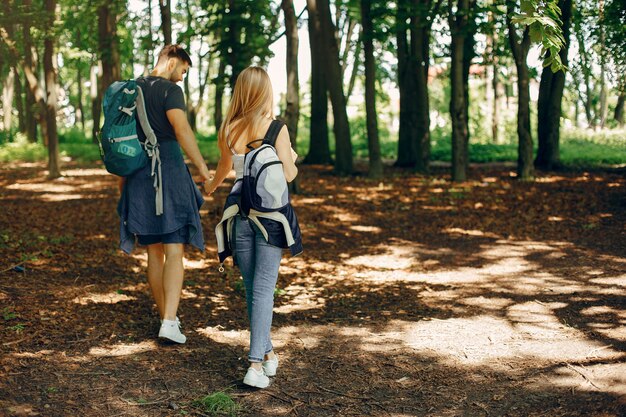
(270, 366)
(256, 378)
(170, 330)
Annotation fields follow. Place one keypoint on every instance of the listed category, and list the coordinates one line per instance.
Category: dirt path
(414, 297)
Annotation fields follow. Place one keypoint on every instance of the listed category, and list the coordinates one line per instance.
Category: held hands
(207, 181)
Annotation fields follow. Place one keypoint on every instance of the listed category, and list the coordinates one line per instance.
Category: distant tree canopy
(58, 56)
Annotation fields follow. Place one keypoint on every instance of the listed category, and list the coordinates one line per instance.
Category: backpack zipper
(122, 139)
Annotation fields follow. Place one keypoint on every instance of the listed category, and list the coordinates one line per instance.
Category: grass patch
(218, 404)
(578, 147)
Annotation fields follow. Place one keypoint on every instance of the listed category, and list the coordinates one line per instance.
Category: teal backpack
(120, 149)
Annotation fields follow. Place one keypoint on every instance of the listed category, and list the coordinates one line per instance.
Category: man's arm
(187, 141)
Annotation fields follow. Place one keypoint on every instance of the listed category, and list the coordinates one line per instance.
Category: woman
(256, 240)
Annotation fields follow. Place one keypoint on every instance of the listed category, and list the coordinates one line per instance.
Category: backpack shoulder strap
(272, 132)
(142, 115)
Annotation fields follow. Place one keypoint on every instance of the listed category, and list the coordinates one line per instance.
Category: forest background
(417, 82)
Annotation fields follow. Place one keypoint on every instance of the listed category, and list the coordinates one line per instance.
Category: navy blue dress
(181, 198)
(181, 202)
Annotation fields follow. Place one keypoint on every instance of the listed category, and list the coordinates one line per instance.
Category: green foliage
(543, 17)
(73, 135)
(218, 404)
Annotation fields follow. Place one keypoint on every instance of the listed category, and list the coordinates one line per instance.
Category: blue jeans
(258, 262)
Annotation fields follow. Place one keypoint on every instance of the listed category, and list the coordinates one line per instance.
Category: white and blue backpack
(264, 186)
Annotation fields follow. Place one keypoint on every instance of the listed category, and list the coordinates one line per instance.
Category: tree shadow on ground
(414, 297)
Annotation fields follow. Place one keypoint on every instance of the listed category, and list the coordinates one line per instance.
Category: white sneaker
(177, 321)
(170, 330)
(256, 378)
(270, 366)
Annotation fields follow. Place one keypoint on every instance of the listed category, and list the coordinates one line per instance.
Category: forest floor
(414, 297)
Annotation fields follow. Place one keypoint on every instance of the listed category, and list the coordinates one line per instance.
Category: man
(165, 235)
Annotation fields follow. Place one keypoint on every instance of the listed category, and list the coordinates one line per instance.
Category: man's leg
(172, 278)
(156, 259)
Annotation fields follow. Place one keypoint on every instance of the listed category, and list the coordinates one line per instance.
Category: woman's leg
(156, 259)
(244, 254)
(173, 274)
(264, 282)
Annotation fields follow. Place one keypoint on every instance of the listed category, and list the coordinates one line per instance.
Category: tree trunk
(458, 103)
(373, 143)
(81, 109)
(148, 57)
(8, 91)
(549, 102)
(233, 40)
(525, 142)
(341, 128)
(166, 21)
(495, 114)
(51, 95)
(619, 109)
(219, 94)
(30, 114)
(586, 72)
(109, 57)
(420, 50)
(319, 148)
(355, 67)
(603, 89)
(468, 56)
(292, 110)
(96, 109)
(19, 101)
(407, 150)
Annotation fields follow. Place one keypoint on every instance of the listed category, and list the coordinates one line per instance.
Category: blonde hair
(252, 101)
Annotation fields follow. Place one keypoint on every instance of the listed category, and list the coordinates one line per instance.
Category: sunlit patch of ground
(110, 298)
(123, 349)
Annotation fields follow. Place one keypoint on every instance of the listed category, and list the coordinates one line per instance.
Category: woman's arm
(224, 166)
(286, 154)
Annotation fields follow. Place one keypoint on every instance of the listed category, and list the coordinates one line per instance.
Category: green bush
(73, 135)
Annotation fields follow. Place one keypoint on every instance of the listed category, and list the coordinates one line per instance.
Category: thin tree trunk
(355, 67)
(81, 109)
(520, 50)
(219, 94)
(319, 147)
(468, 56)
(51, 93)
(148, 57)
(619, 109)
(166, 20)
(495, 114)
(549, 102)
(233, 39)
(292, 110)
(373, 143)
(79, 80)
(30, 114)
(603, 88)
(586, 72)
(8, 91)
(407, 85)
(94, 81)
(420, 50)
(341, 128)
(19, 101)
(109, 58)
(458, 103)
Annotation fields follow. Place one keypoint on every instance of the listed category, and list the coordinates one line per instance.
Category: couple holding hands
(256, 243)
